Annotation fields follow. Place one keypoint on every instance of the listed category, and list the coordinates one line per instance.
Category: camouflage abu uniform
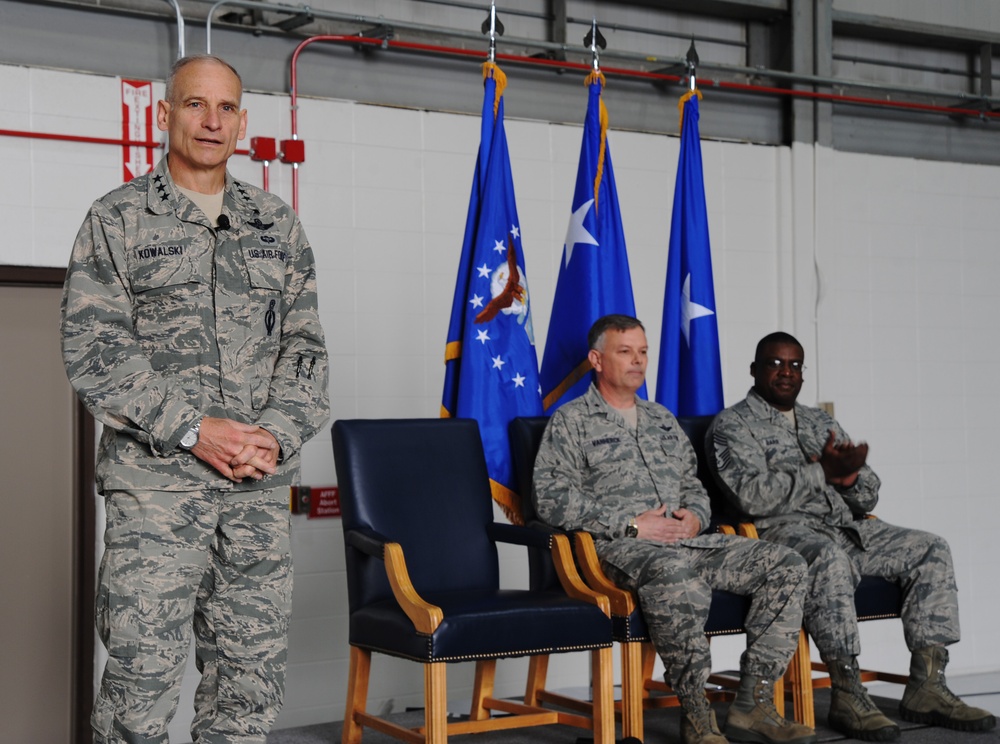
(594, 473)
(765, 465)
(165, 320)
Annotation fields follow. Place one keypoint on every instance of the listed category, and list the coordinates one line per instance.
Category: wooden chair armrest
(727, 529)
(569, 577)
(622, 601)
(748, 529)
(424, 616)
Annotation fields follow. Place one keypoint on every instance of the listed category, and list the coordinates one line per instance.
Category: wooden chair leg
(357, 694)
(486, 670)
(632, 689)
(538, 668)
(800, 678)
(603, 695)
(435, 704)
(648, 662)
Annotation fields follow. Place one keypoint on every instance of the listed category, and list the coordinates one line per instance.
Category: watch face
(190, 439)
(631, 531)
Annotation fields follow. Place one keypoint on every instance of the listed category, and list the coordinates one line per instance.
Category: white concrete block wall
(884, 267)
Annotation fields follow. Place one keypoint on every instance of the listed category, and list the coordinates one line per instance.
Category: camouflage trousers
(216, 562)
(919, 561)
(674, 585)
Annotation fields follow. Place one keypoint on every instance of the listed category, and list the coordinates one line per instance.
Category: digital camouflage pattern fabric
(594, 473)
(224, 557)
(166, 319)
(765, 464)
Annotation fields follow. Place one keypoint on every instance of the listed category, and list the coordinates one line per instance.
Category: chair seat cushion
(725, 616)
(877, 598)
(727, 613)
(479, 625)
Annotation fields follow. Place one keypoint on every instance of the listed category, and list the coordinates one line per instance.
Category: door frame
(83, 518)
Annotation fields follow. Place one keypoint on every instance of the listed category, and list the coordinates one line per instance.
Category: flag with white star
(594, 278)
(491, 370)
(689, 380)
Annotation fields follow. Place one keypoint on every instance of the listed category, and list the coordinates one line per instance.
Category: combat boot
(927, 698)
(852, 712)
(698, 724)
(753, 717)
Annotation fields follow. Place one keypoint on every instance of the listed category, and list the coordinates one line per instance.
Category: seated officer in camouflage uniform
(622, 469)
(794, 471)
(190, 330)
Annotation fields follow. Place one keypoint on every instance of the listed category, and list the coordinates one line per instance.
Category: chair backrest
(421, 483)
(525, 437)
(722, 510)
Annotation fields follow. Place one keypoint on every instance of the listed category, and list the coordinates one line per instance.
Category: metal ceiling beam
(936, 36)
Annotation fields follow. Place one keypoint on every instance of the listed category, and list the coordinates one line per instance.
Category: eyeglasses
(775, 364)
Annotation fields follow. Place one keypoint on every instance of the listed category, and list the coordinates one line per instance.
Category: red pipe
(78, 138)
(106, 141)
(617, 71)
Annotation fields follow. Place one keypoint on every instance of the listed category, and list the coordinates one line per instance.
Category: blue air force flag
(491, 368)
(689, 381)
(594, 278)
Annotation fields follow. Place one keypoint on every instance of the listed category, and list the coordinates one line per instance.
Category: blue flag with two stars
(491, 369)
(594, 278)
(689, 380)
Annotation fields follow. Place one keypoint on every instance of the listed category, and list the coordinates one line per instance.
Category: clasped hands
(841, 462)
(237, 450)
(656, 525)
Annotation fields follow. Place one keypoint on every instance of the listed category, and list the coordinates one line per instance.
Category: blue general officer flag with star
(689, 381)
(491, 368)
(594, 278)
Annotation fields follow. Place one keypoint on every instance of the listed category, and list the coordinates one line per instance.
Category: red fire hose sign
(137, 126)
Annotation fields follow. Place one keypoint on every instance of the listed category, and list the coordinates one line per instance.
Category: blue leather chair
(423, 580)
(726, 614)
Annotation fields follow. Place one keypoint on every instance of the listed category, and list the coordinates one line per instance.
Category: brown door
(41, 535)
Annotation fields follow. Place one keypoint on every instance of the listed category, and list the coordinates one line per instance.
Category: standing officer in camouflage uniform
(622, 469)
(795, 472)
(190, 330)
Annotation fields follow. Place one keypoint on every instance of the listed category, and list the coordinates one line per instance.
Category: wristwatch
(631, 530)
(190, 438)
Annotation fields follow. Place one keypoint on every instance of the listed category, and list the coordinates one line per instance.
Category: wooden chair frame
(426, 617)
(638, 658)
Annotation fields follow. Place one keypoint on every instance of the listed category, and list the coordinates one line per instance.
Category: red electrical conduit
(616, 71)
(150, 145)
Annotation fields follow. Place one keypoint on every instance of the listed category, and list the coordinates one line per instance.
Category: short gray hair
(183, 62)
(595, 337)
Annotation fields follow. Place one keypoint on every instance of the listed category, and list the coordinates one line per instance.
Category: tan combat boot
(852, 712)
(698, 724)
(927, 698)
(753, 717)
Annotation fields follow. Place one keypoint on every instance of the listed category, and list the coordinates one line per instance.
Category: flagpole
(692, 63)
(494, 28)
(595, 40)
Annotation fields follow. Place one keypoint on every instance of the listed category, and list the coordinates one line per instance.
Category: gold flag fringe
(492, 69)
(452, 350)
(596, 76)
(509, 502)
(680, 105)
